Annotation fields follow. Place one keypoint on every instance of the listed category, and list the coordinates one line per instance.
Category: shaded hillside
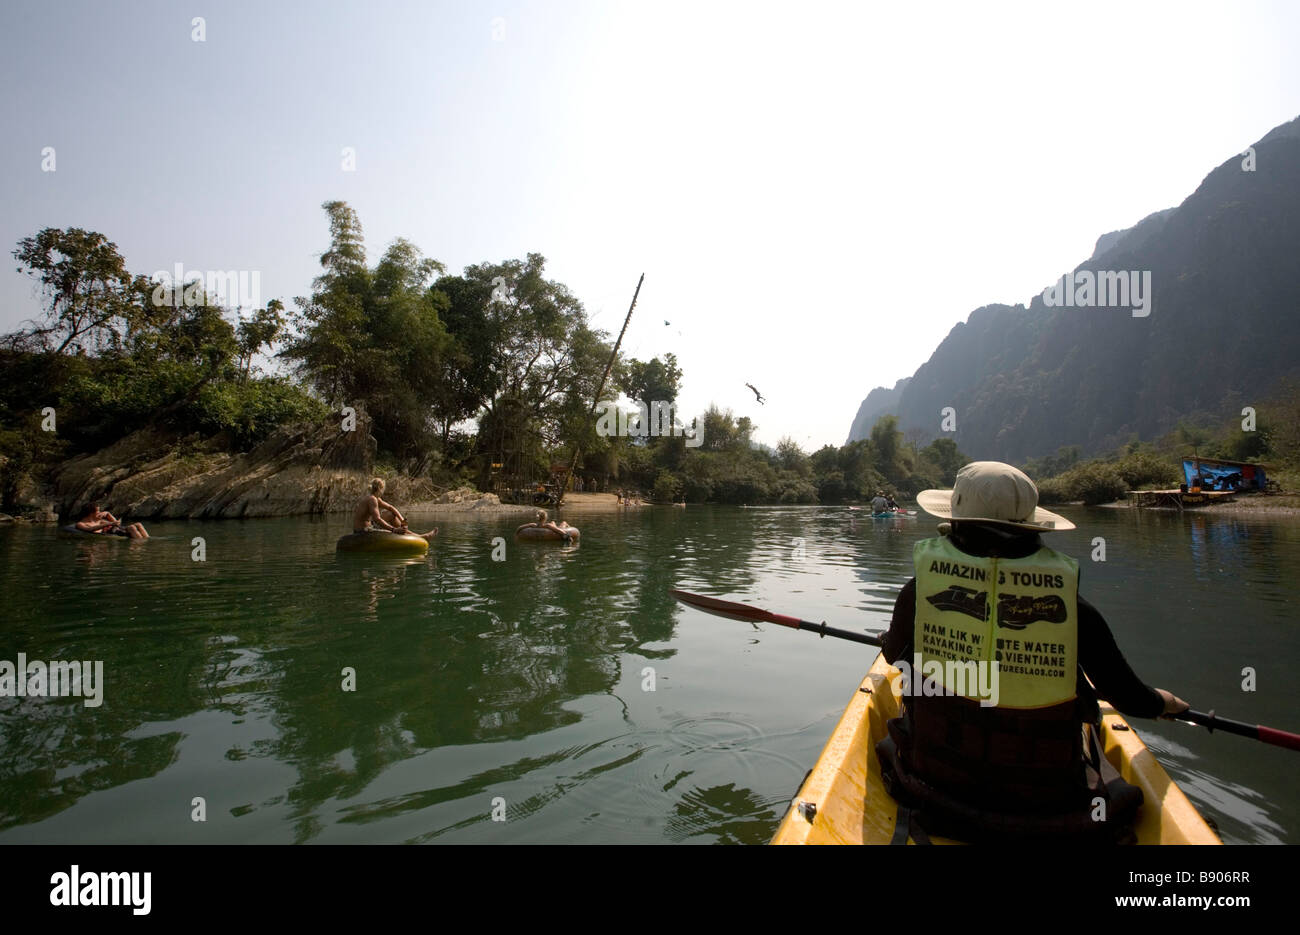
(879, 402)
(1222, 329)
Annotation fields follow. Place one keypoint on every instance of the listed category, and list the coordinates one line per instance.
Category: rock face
(1218, 333)
(460, 495)
(298, 469)
(880, 401)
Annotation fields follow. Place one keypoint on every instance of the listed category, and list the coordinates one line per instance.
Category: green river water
(519, 687)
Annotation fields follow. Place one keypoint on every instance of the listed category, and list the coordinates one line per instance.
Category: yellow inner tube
(388, 542)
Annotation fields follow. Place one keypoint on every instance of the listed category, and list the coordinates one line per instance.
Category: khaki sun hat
(993, 492)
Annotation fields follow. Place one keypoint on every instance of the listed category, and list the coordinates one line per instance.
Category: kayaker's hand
(1173, 704)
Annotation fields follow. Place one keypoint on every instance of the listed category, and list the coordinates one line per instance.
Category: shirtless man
(371, 514)
(93, 519)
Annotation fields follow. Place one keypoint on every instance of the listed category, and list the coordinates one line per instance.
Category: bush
(1144, 468)
(249, 412)
(666, 488)
(1093, 483)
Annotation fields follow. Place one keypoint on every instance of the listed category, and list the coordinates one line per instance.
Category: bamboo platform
(1176, 499)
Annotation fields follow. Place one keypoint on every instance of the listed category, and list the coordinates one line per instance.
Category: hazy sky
(816, 193)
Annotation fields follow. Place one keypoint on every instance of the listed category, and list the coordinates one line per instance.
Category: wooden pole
(577, 446)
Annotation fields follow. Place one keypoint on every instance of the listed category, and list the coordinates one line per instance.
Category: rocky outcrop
(462, 495)
(296, 470)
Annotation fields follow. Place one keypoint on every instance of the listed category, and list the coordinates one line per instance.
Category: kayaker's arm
(898, 640)
(1115, 680)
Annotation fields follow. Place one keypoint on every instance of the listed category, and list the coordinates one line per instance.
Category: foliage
(1092, 483)
(88, 288)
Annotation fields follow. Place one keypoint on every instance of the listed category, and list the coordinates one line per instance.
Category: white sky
(817, 193)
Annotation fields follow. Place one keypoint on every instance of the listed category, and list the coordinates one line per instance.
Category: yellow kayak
(847, 803)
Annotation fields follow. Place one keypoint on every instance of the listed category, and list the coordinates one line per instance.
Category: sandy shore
(573, 503)
(468, 509)
(1272, 505)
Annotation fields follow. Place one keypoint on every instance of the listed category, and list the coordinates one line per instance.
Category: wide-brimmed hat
(993, 492)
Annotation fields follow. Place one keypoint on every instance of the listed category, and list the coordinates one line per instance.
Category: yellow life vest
(1020, 613)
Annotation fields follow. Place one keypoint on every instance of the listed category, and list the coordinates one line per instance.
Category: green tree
(85, 281)
(944, 455)
(330, 324)
(261, 330)
(792, 458)
(654, 380)
(374, 338)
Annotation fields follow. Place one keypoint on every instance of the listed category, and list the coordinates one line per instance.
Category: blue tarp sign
(1215, 475)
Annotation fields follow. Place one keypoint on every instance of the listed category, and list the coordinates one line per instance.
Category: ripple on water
(481, 679)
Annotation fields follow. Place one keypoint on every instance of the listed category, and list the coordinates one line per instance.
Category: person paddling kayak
(988, 593)
(880, 503)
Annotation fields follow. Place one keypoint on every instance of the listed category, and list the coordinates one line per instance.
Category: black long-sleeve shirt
(1099, 656)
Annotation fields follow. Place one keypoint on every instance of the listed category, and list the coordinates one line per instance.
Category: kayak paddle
(1269, 735)
(735, 611)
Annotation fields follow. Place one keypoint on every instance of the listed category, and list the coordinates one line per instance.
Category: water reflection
(525, 680)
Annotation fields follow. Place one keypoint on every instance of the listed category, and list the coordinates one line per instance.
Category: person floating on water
(880, 503)
(540, 522)
(95, 520)
(372, 514)
(988, 593)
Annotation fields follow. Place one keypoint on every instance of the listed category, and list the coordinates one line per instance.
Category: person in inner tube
(563, 529)
(373, 515)
(95, 520)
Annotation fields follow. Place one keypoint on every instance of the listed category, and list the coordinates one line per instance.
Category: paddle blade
(722, 608)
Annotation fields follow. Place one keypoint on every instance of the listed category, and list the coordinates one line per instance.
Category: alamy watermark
(968, 678)
(235, 288)
(79, 887)
(58, 679)
(1102, 289)
(655, 420)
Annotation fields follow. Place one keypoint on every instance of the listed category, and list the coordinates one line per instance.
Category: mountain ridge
(1027, 379)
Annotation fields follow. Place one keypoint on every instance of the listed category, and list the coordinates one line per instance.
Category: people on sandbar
(540, 522)
(373, 515)
(102, 522)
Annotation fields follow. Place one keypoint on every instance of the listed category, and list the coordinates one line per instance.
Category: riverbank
(1270, 505)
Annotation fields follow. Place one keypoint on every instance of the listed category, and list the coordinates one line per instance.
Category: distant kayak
(389, 543)
(893, 513)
